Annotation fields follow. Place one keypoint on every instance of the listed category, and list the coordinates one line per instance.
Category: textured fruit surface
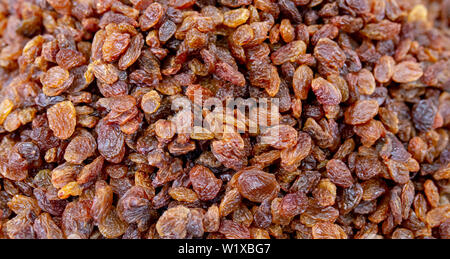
(235, 119)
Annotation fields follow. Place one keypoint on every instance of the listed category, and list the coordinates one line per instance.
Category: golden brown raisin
(361, 112)
(236, 17)
(62, 119)
(257, 185)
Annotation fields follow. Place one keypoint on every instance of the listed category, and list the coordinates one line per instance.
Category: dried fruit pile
(90, 145)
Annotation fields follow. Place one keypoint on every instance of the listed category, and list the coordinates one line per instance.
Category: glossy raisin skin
(257, 185)
(339, 173)
(227, 119)
(204, 182)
